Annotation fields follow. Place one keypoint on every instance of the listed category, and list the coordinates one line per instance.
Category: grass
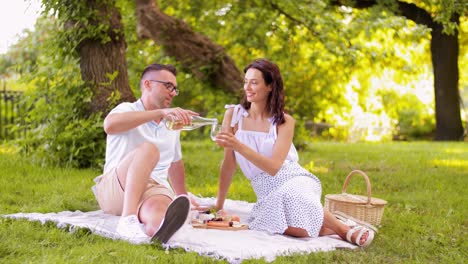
(423, 182)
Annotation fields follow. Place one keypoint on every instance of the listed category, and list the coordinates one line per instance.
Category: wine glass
(215, 130)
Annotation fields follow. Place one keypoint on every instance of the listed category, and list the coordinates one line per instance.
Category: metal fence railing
(10, 114)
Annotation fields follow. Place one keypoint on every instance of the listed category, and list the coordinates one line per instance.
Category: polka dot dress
(290, 198)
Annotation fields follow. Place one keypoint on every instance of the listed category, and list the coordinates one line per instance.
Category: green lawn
(424, 222)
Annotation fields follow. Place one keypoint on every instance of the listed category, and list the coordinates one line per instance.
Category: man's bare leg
(174, 218)
(152, 212)
(134, 172)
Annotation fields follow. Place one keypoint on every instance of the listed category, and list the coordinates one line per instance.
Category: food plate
(221, 220)
(221, 225)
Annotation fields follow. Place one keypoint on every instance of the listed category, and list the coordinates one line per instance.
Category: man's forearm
(122, 122)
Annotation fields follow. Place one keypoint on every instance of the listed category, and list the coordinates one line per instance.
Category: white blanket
(233, 246)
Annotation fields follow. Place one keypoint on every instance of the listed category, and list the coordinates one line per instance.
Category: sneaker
(174, 219)
(130, 228)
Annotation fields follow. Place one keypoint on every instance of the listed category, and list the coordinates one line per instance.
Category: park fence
(11, 112)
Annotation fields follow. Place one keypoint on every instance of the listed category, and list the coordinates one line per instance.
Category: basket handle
(367, 182)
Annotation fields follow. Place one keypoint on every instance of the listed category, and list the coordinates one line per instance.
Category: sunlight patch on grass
(319, 170)
(315, 169)
(451, 163)
(455, 151)
(7, 149)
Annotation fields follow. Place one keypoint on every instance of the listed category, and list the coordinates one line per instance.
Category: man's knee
(154, 207)
(150, 151)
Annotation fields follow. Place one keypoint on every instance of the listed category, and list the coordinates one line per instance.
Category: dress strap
(237, 115)
(273, 129)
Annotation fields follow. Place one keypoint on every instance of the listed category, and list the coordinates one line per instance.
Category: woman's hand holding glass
(224, 138)
(215, 130)
(218, 134)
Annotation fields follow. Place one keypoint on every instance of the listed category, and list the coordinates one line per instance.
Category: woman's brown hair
(272, 76)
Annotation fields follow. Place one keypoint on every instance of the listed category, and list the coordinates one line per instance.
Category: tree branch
(418, 15)
(410, 11)
(276, 7)
(200, 55)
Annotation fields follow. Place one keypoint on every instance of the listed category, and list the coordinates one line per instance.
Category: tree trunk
(103, 66)
(444, 50)
(199, 55)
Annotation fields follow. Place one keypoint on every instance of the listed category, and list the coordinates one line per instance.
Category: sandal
(345, 220)
(362, 230)
(352, 222)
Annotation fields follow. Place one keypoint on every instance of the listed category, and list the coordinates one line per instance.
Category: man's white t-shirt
(167, 141)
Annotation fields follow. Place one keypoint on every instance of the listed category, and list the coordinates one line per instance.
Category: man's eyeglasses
(169, 86)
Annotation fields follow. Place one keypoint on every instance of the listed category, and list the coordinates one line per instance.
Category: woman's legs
(331, 226)
(300, 232)
(295, 232)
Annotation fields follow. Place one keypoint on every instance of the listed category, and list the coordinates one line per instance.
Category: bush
(413, 117)
(61, 130)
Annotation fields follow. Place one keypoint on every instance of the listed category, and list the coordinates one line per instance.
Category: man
(141, 156)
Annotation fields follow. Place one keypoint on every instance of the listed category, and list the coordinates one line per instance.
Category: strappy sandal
(352, 222)
(345, 220)
(362, 230)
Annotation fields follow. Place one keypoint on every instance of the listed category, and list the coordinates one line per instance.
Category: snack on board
(219, 220)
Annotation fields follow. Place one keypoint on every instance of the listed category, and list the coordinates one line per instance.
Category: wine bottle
(197, 121)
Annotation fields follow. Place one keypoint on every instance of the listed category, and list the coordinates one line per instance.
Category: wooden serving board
(228, 228)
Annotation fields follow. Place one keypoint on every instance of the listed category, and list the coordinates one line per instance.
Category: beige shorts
(110, 195)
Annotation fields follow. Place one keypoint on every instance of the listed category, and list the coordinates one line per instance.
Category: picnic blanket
(233, 246)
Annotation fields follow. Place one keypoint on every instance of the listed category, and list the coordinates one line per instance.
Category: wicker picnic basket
(364, 208)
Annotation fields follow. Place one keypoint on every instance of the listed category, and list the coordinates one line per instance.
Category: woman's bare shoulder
(289, 119)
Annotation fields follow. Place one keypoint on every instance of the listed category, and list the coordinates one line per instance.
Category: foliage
(194, 94)
(80, 20)
(301, 134)
(413, 118)
(422, 189)
(140, 53)
(341, 66)
(321, 56)
(61, 130)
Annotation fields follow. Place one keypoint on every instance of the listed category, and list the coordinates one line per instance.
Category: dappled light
(454, 163)
(362, 124)
(457, 150)
(315, 169)
(6, 149)
(387, 110)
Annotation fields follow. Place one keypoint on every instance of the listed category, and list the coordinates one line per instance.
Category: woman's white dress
(289, 198)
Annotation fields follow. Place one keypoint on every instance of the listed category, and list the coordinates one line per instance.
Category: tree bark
(444, 53)
(199, 55)
(444, 49)
(103, 66)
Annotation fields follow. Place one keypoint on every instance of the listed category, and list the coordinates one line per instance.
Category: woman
(258, 135)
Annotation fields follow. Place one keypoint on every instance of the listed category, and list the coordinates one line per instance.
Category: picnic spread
(233, 247)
